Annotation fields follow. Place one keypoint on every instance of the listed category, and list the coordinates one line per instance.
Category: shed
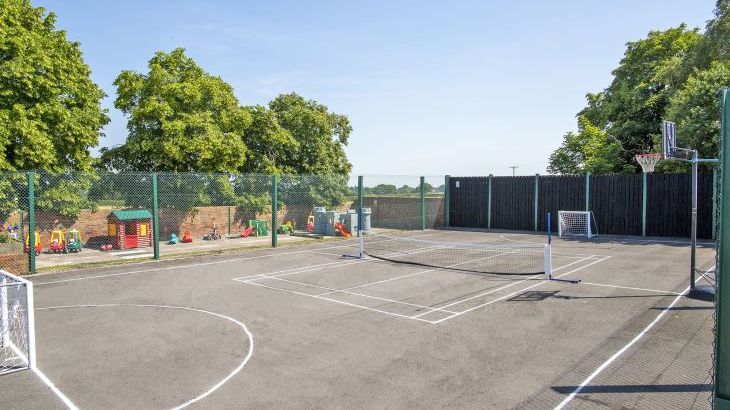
(130, 228)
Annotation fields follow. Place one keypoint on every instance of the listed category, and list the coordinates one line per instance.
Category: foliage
(270, 148)
(50, 113)
(588, 150)
(180, 119)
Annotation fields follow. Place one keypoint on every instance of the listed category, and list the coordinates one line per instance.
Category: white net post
(548, 261)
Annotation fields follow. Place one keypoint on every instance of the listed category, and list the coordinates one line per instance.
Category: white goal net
(576, 223)
(17, 338)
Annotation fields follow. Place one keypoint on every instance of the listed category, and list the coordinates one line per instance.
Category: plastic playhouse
(333, 223)
(130, 228)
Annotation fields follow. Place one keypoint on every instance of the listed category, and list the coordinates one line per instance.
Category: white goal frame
(17, 324)
(577, 223)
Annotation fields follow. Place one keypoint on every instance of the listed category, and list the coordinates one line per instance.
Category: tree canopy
(673, 74)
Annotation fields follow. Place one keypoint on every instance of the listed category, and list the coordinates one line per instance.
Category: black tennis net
(495, 258)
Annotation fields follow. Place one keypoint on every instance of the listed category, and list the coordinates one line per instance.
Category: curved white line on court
(217, 385)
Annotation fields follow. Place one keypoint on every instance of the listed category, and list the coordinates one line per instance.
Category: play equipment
(261, 227)
(73, 241)
(213, 235)
(173, 239)
(187, 238)
(247, 232)
(38, 247)
(57, 243)
(287, 227)
(106, 247)
(310, 223)
(341, 230)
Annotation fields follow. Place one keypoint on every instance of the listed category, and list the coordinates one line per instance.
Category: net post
(155, 218)
(489, 203)
(31, 222)
(274, 210)
(693, 233)
(644, 178)
(588, 191)
(447, 181)
(537, 192)
(423, 203)
(721, 389)
(30, 328)
(548, 261)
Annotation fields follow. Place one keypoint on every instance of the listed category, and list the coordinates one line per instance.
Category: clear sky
(431, 87)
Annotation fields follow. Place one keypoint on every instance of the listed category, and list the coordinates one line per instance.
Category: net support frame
(721, 375)
(29, 329)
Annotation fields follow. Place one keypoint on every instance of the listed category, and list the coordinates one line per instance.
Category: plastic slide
(248, 231)
(340, 229)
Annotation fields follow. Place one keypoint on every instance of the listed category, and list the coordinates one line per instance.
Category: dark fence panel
(559, 193)
(616, 203)
(468, 201)
(669, 205)
(513, 203)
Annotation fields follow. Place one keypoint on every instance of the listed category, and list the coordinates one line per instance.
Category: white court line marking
(666, 292)
(54, 389)
(337, 301)
(518, 291)
(489, 292)
(195, 399)
(621, 351)
(301, 268)
(412, 274)
(192, 265)
(349, 293)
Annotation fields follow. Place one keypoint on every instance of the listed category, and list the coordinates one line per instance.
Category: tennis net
(494, 258)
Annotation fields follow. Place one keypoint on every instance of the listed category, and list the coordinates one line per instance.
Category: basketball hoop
(648, 161)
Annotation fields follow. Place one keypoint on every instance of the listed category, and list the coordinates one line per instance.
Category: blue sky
(460, 88)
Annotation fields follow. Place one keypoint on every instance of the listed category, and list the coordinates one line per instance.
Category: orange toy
(187, 238)
(340, 229)
(248, 231)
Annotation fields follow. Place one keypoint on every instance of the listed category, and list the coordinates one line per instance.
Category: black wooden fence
(635, 204)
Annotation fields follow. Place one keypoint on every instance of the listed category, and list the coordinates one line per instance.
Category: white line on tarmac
(621, 351)
(518, 291)
(666, 292)
(191, 401)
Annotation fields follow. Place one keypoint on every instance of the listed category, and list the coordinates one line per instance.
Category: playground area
(305, 327)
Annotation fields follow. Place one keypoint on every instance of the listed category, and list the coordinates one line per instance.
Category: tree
(180, 118)
(270, 148)
(588, 150)
(50, 112)
(320, 135)
(695, 109)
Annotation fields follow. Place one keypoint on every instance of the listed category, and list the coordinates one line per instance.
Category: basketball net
(648, 161)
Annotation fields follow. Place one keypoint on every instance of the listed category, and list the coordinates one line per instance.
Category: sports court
(305, 327)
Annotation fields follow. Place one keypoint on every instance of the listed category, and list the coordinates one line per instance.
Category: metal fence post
(155, 218)
(229, 221)
(31, 222)
(537, 192)
(489, 203)
(359, 204)
(721, 399)
(447, 181)
(588, 191)
(274, 210)
(644, 179)
(714, 203)
(423, 203)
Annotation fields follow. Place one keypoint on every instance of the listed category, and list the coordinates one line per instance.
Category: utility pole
(514, 167)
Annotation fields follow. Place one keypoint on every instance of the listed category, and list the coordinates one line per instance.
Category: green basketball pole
(537, 192)
(644, 179)
(721, 392)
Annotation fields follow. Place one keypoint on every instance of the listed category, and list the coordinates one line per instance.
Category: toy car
(58, 242)
(73, 241)
(38, 247)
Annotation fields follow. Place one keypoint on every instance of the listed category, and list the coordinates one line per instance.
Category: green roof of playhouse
(131, 214)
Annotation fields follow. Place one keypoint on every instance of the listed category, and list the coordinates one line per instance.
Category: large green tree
(180, 119)
(50, 111)
(590, 149)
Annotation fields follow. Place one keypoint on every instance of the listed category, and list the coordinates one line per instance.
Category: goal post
(17, 324)
(577, 223)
